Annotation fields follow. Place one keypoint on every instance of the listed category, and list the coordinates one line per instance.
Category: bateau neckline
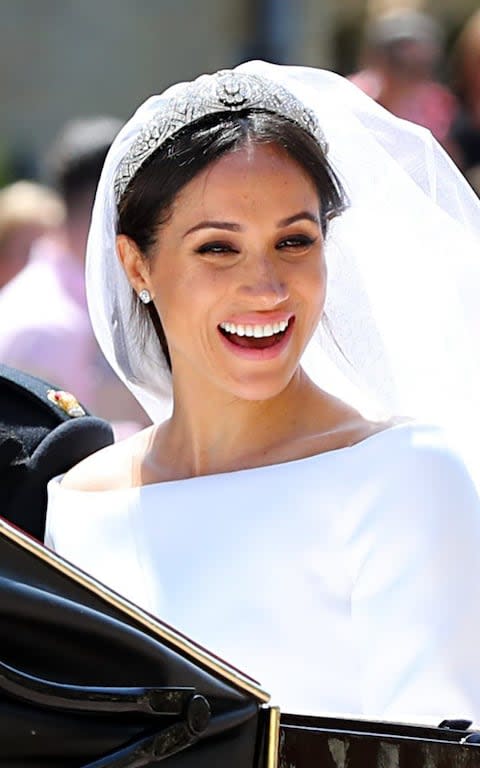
(323, 455)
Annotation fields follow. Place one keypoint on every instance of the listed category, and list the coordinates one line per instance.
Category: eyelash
(216, 248)
(296, 241)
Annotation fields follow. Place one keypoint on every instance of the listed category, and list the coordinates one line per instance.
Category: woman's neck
(216, 432)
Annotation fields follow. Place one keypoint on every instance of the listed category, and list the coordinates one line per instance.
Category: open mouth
(256, 336)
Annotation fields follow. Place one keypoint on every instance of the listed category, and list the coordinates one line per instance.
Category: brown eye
(215, 248)
(296, 241)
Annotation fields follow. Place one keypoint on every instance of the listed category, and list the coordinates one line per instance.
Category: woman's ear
(134, 263)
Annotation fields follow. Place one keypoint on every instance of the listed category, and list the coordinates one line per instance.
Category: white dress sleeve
(98, 532)
(415, 600)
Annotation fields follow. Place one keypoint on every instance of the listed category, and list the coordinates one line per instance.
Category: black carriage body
(323, 742)
(84, 674)
(89, 680)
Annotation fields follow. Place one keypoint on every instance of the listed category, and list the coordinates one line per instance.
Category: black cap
(43, 433)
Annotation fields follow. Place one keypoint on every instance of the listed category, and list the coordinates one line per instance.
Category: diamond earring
(145, 296)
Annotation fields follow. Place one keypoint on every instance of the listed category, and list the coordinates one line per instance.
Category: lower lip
(268, 353)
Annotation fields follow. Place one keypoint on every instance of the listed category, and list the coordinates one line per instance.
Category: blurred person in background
(473, 176)
(403, 49)
(27, 211)
(43, 312)
(466, 128)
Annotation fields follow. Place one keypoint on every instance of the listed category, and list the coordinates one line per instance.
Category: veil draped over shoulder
(403, 267)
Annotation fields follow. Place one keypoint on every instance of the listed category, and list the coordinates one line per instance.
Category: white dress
(346, 582)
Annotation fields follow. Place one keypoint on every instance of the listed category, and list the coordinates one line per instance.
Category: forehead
(257, 176)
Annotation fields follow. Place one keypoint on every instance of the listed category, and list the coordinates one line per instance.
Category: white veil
(403, 264)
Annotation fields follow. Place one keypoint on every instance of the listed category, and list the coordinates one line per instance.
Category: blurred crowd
(405, 65)
(405, 68)
(44, 321)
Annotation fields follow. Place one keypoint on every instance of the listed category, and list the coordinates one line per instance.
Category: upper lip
(259, 318)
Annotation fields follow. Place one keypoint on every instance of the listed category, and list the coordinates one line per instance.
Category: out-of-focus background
(63, 60)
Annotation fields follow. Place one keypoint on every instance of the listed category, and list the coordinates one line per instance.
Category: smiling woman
(233, 141)
(239, 252)
(275, 521)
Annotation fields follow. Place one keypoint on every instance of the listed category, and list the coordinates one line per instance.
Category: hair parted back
(147, 202)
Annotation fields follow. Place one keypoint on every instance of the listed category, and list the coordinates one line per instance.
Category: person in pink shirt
(45, 327)
(402, 51)
(466, 82)
(27, 211)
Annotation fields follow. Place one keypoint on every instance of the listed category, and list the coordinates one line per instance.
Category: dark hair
(75, 159)
(147, 201)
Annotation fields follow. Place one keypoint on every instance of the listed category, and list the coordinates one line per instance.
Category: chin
(256, 390)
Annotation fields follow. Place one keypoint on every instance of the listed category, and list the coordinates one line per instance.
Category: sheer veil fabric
(403, 268)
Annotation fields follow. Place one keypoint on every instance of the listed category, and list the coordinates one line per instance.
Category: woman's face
(238, 273)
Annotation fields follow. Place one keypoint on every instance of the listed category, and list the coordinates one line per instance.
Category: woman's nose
(263, 282)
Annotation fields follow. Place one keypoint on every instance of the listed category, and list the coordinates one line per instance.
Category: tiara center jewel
(231, 90)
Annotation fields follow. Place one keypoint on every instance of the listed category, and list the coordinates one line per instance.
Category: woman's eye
(216, 248)
(296, 241)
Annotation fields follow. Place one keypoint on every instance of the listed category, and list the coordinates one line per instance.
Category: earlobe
(133, 263)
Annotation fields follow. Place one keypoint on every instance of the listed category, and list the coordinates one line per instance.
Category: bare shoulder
(110, 468)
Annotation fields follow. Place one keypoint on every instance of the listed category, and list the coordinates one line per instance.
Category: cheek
(182, 298)
(168, 290)
(313, 284)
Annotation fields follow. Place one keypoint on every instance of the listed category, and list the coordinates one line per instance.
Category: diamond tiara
(227, 90)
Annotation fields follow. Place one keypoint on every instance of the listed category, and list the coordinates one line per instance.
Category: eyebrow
(298, 217)
(232, 227)
(214, 225)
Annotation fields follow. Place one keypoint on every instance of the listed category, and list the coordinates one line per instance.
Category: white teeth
(257, 331)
